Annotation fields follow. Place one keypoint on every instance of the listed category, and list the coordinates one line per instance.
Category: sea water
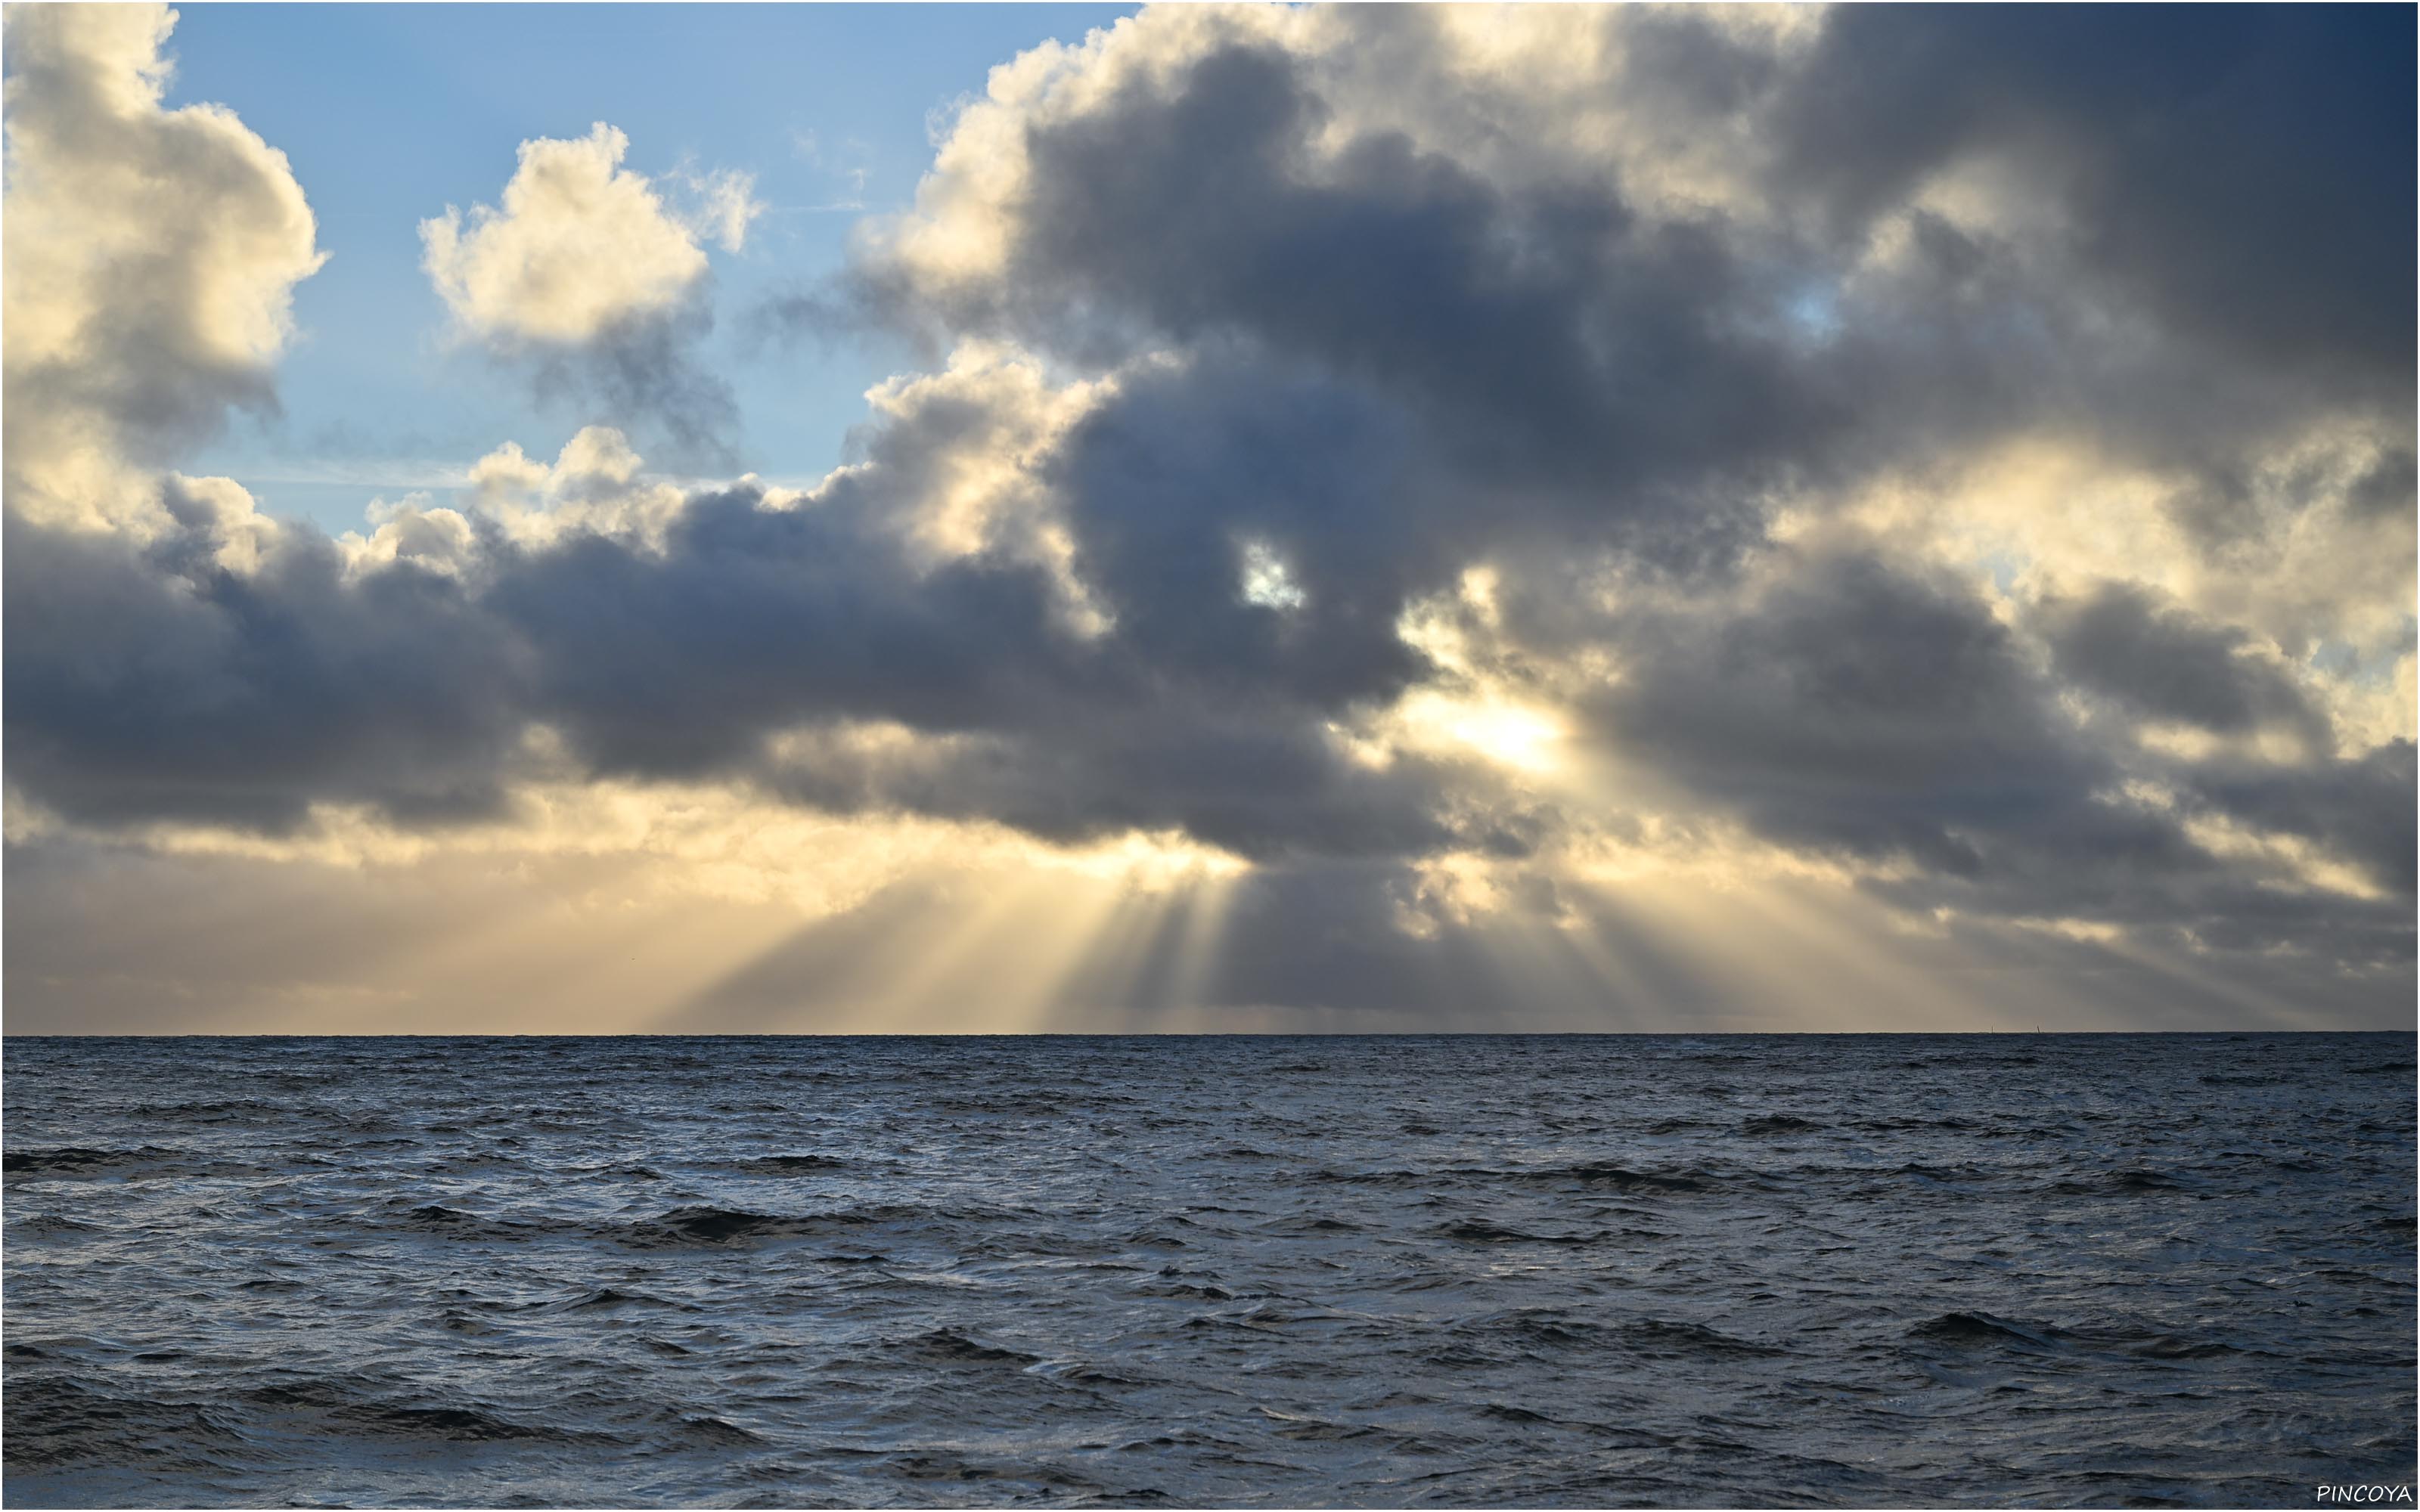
(1395, 1270)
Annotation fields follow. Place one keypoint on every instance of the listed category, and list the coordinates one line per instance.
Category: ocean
(1461, 1270)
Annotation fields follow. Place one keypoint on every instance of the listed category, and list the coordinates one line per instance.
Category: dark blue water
(1299, 1271)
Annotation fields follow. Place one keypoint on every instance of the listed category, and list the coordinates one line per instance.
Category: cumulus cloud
(1556, 485)
(152, 256)
(588, 273)
(581, 245)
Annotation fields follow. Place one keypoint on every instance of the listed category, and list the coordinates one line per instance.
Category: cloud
(2166, 664)
(587, 274)
(722, 206)
(1858, 709)
(152, 256)
(2243, 185)
(241, 680)
(581, 246)
(1853, 703)
(1534, 497)
(597, 485)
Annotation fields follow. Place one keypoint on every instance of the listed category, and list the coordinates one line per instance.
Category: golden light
(1525, 737)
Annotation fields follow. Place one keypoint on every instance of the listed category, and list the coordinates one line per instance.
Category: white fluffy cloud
(597, 485)
(151, 254)
(581, 246)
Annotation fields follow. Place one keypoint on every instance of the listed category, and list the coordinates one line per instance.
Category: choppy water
(1299, 1271)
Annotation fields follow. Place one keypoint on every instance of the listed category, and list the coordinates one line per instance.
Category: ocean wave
(77, 1160)
(1472, 1272)
(1985, 1328)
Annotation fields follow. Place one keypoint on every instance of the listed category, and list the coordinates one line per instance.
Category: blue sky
(390, 112)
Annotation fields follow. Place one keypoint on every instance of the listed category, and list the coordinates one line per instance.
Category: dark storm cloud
(1855, 705)
(2236, 189)
(1580, 360)
(2245, 172)
(159, 683)
(1199, 709)
(2387, 488)
(1164, 482)
(2165, 663)
(678, 664)
(1568, 350)
(155, 683)
(1858, 709)
(752, 622)
(2361, 808)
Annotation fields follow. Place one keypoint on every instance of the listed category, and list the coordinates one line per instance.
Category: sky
(1038, 519)
(389, 114)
